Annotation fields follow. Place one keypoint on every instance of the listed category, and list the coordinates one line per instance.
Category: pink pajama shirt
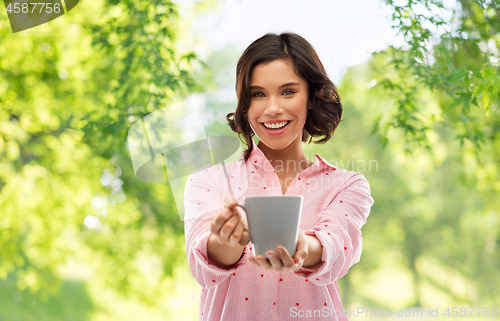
(336, 205)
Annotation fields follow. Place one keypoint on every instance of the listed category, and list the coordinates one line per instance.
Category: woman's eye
(286, 92)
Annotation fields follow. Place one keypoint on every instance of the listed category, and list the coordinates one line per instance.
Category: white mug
(273, 220)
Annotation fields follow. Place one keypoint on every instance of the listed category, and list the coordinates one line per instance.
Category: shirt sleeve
(338, 229)
(203, 201)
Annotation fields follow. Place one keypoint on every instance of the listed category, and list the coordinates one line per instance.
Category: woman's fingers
(237, 234)
(245, 238)
(228, 199)
(299, 257)
(231, 205)
(281, 259)
(229, 226)
(242, 236)
(219, 220)
(275, 261)
(261, 261)
(286, 259)
(242, 214)
(230, 202)
(228, 229)
(302, 251)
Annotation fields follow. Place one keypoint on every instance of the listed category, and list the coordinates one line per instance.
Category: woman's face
(278, 99)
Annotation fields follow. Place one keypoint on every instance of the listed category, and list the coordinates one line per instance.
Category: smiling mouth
(277, 128)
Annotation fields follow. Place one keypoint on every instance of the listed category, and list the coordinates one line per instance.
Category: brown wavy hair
(326, 112)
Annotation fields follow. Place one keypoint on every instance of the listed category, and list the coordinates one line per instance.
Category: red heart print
(325, 303)
(234, 273)
(341, 202)
(329, 234)
(198, 203)
(246, 299)
(274, 303)
(281, 279)
(327, 174)
(202, 290)
(208, 190)
(232, 177)
(239, 188)
(326, 225)
(307, 280)
(255, 162)
(191, 179)
(299, 178)
(253, 171)
(296, 304)
(307, 184)
(345, 247)
(264, 187)
(213, 280)
(250, 248)
(317, 279)
(262, 275)
(346, 215)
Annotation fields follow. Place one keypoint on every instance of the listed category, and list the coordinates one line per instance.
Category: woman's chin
(275, 143)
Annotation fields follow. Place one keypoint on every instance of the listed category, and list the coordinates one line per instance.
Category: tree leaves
(61, 132)
(455, 65)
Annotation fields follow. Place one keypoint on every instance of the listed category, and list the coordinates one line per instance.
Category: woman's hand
(230, 225)
(281, 259)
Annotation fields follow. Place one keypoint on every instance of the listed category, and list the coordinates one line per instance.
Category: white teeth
(276, 125)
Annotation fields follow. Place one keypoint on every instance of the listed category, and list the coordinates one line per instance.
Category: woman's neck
(289, 161)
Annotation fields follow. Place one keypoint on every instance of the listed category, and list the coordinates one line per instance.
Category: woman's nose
(273, 107)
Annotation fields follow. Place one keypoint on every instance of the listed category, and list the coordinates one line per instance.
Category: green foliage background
(420, 122)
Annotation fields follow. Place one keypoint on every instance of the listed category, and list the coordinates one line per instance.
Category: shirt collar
(324, 162)
(258, 158)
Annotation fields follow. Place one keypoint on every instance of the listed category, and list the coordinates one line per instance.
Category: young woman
(284, 98)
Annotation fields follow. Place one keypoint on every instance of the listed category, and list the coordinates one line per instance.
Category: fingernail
(280, 251)
(227, 199)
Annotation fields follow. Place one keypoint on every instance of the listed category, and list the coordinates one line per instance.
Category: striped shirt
(336, 205)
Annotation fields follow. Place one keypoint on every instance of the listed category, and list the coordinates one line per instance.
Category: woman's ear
(310, 105)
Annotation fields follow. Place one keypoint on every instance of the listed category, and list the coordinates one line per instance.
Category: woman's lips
(275, 132)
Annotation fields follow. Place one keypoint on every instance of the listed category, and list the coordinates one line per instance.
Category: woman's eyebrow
(284, 85)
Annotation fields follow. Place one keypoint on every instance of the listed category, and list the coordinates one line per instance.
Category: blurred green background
(82, 239)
